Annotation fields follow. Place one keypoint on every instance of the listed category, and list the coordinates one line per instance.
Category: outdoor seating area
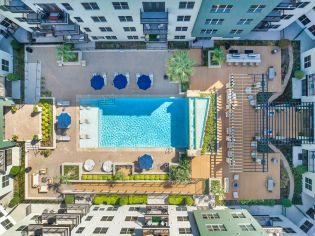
(41, 181)
(247, 58)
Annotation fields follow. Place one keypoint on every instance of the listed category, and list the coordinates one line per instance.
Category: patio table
(108, 166)
(254, 58)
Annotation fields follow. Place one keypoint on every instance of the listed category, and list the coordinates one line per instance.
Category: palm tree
(65, 179)
(218, 55)
(180, 66)
(64, 53)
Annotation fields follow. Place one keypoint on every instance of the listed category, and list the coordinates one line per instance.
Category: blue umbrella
(97, 82)
(120, 81)
(144, 82)
(145, 162)
(64, 120)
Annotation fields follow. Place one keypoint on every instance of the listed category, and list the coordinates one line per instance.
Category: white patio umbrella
(108, 166)
(89, 165)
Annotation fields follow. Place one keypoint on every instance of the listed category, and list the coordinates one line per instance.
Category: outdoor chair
(235, 195)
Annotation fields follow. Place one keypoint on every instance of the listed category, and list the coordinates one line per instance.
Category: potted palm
(180, 68)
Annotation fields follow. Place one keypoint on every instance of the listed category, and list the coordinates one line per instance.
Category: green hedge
(47, 122)
(120, 200)
(298, 184)
(130, 177)
(69, 199)
(180, 200)
(266, 202)
(15, 170)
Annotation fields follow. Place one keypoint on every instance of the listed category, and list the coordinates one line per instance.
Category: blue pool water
(143, 122)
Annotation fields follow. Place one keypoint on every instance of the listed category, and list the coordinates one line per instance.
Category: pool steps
(107, 102)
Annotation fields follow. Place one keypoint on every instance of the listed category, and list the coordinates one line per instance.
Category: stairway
(30, 146)
(107, 102)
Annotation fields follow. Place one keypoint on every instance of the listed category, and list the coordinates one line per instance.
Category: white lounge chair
(35, 180)
(63, 103)
(105, 79)
(226, 185)
(63, 138)
(82, 136)
(235, 195)
(236, 177)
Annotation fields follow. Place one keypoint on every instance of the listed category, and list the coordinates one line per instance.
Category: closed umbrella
(97, 82)
(144, 82)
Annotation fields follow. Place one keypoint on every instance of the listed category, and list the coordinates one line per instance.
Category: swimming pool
(141, 122)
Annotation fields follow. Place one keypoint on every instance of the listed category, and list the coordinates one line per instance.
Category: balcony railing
(153, 17)
(274, 16)
(155, 28)
(311, 161)
(62, 30)
(263, 26)
(54, 18)
(33, 18)
(79, 38)
(287, 5)
(15, 6)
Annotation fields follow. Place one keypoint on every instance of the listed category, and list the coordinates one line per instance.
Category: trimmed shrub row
(180, 200)
(266, 202)
(69, 199)
(130, 177)
(120, 200)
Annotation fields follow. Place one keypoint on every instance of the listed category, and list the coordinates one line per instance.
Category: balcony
(54, 18)
(79, 38)
(263, 26)
(157, 221)
(63, 30)
(274, 16)
(311, 161)
(160, 232)
(155, 28)
(33, 18)
(156, 210)
(153, 17)
(15, 6)
(287, 5)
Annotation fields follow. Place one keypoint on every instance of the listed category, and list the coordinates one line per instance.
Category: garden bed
(298, 184)
(47, 124)
(210, 133)
(120, 200)
(107, 177)
(180, 200)
(71, 171)
(264, 202)
(178, 45)
(120, 45)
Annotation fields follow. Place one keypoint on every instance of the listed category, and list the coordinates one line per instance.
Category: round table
(108, 166)
(89, 165)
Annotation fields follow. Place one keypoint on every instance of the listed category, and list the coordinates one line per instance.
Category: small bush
(175, 200)
(138, 199)
(16, 45)
(45, 153)
(12, 77)
(15, 170)
(95, 177)
(147, 177)
(265, 202)
(189, 201)
(124, 200)
(14, 138)
(286, 203)
(35, 137)
(13, 109)
(99, 177)
(15, 200)
(299, 74)
(69, 199)
(284, 43)
(84, 177)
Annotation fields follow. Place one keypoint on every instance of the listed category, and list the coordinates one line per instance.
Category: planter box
(209, 61)
(71, 63)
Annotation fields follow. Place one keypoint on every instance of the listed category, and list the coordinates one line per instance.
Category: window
(87, 29)
(215, 227)
(183, 18)
(112, 208)
(90, 5)
(67, 6)
(288, 230)
(111, 38)
(235, 31)
(237, 215)
(256, 8)
(302, 4)
(98, 18)
(134, 208)
(78, 19)
(107, 218)
(180, 28)
(307, 64)
(102, 209)
(312, 29)
(89, 218)
(208, 31)
(129, 29)
(306, 226)
(214, 21)
(274, 26)
(105, 29)
(179, 37)
(6, 22)
(221, 8)
(96, 208)
(127, 231)
(308, 182)
(1, 214)
(120, 5)
(181, 208)
(22, 228)
(80, 230)
(6, 224)
(5, 65)
(275, 219)
(132, 37)
(5, 181)
(247, 227)
(100, 230)
(184, 231)
(131, 218)
(186, 5)
(182, 218)
(97, 37)
(210, 216)
(125, 18)
(286, 16)
(244, 21)
(304, 20)
(21, 19)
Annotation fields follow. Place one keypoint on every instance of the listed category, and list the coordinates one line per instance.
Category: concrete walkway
(287, 167)
(286, 78)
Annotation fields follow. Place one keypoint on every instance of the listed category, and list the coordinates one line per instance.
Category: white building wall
(8, 57)
(111, 15)
(311, 176)
(297, 12)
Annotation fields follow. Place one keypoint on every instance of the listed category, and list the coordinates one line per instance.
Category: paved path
(286, 78)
